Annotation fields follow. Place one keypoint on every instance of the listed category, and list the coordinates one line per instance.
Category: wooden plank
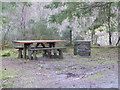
(53, 48)
(21, 47)
(38, 41)
(18, 47)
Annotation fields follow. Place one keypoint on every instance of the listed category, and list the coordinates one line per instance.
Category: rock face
(82, 48)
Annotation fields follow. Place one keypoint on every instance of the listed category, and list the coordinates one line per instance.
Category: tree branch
(100, 4)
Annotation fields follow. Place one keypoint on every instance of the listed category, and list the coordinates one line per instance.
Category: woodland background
(95, 21)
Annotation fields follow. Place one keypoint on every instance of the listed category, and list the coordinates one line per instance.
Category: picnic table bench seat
(20, 49)
(53, 52)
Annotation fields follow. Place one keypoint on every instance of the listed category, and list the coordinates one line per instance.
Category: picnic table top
(38, 41)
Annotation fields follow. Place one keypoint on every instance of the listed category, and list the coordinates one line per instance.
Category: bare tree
(4, 37)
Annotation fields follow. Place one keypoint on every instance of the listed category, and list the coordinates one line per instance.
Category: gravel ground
(70, 72)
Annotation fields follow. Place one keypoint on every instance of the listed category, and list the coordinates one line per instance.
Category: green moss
(5, 85)
(104, 51)
(12, 52)
(7, 74)
(111, 61)
(91, 77)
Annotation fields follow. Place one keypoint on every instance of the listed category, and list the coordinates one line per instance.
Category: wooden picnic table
(27, 43)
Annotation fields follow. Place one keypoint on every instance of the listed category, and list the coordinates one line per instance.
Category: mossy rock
(6, 54)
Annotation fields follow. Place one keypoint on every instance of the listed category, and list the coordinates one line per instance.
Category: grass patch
(104, 51)
(12, 52)
(5, 85)
(91, 77)
(6, 75)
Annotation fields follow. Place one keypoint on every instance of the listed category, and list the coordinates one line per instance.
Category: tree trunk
(109, 26)
(22, 18)
(23, 27)
(70, 36)
(95, 39)
(117, 44)
(110, 38)
(92, 36)
(4, 37)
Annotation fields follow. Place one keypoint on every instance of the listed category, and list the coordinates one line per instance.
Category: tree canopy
(105, 15)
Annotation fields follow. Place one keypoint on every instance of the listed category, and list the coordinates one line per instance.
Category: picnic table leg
(52, 44)
(37, 45)
(44, 52)
(26, 46)
(54, 51)
(24, 51)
